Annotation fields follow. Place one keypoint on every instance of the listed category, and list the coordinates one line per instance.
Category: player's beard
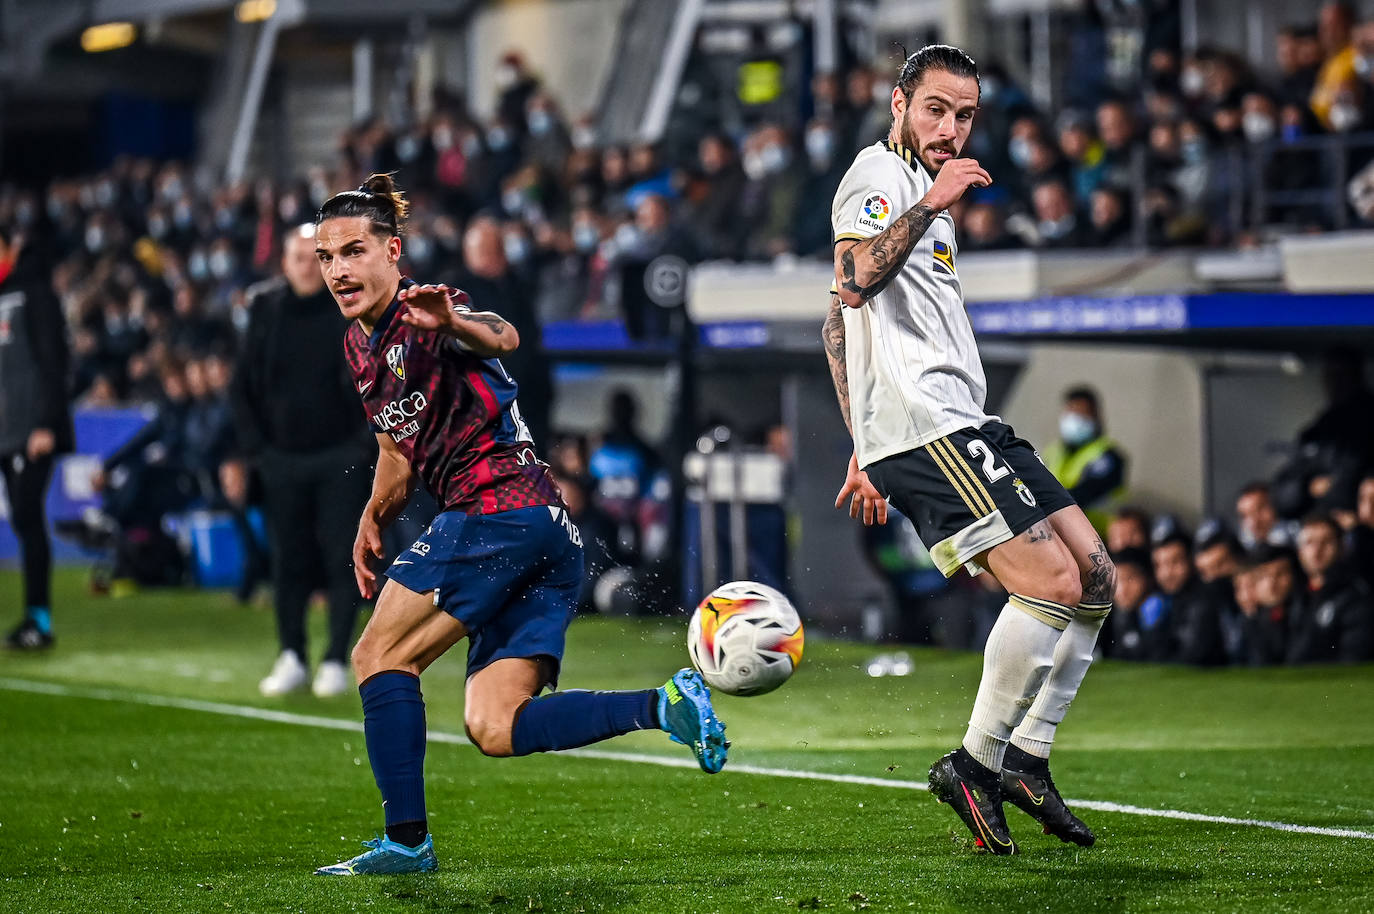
(911, 141)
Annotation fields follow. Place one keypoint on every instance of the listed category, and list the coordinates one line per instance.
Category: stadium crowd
(150, 264)
(156, 273)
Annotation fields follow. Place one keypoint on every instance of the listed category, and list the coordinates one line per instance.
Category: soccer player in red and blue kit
(502, 563)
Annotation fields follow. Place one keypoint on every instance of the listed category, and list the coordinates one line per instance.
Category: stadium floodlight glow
(255, 10)
(109, 36)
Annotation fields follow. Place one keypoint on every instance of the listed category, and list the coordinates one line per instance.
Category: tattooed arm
(865, 502)
(832, 333)
(439, 308)
(864, 268)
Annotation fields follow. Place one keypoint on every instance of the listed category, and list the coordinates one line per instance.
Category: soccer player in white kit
(911, 388)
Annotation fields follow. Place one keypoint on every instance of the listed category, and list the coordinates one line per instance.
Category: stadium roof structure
(28, 28)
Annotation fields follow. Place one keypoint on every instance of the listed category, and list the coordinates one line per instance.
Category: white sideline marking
(334, 723)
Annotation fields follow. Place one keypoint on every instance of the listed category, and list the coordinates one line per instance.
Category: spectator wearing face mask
(1355, 105)
(1089, 464)
(1257, 523)
(1329, 99)
(1337, 620)
(772, 194)
(562, 266)
(549, 141)
(824, 169)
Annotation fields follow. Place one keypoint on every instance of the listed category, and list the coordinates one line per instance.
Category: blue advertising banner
(99, 432)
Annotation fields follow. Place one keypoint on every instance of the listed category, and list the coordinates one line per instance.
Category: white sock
(1072, 657)
(1016, 660)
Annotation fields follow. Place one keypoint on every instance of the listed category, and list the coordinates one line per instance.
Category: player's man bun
(377, 200)
(939, 57)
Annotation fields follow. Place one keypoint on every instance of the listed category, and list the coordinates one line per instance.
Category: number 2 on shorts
(979, 450)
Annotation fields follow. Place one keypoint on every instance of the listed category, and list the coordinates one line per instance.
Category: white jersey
(914, 370)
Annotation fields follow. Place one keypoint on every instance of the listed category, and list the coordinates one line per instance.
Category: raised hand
(953, 179)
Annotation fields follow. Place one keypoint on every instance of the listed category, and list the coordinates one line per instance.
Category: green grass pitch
(109, 804)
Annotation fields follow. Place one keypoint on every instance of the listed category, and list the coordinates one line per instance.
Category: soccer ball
(745, 638)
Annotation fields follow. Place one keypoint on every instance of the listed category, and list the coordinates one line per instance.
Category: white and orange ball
(745, 638)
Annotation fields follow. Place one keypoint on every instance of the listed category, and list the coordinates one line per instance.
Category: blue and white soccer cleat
(385, 857)
(685, 712)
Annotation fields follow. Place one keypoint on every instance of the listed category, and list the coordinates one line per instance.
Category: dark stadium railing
(1341, 157)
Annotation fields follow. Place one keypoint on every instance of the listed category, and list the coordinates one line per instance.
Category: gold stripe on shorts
(965, 472)
(960, 487)
(972, 474)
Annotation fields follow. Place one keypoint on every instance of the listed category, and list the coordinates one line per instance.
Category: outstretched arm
(483, 333)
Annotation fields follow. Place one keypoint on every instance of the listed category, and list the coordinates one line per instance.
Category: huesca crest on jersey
(395, 360)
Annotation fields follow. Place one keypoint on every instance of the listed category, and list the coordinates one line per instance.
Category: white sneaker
(331, 679)
(288, 674)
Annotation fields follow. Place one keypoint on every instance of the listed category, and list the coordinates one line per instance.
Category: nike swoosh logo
(402, 562)
(362, 388)
(982, 823)
(1030, 793)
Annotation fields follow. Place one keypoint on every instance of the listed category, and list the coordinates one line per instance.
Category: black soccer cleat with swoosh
(1035, 795)
(978, 804)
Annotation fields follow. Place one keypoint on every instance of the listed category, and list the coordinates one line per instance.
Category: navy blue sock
(394, 725)
(566, 720)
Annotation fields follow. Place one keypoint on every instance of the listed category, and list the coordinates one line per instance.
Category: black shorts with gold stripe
(969, 491)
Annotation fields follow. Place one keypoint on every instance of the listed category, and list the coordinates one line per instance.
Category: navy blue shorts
(511, 578)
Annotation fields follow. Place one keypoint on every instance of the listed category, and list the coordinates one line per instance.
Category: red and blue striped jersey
(451, 413)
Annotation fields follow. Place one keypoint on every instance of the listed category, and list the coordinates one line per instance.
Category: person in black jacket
(488, 278)
(1337, 621)
(299, 420)
(35, 423)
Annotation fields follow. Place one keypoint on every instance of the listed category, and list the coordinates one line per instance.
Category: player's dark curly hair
(941, 57)
(378, 200)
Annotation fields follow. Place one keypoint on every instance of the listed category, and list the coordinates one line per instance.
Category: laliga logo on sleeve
(876, 212)
(395, 360)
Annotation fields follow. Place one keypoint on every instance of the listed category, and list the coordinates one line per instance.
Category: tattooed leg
(1074, 652)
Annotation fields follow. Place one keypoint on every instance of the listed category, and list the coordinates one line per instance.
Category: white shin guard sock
(1018, 656)
(1072, 657)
